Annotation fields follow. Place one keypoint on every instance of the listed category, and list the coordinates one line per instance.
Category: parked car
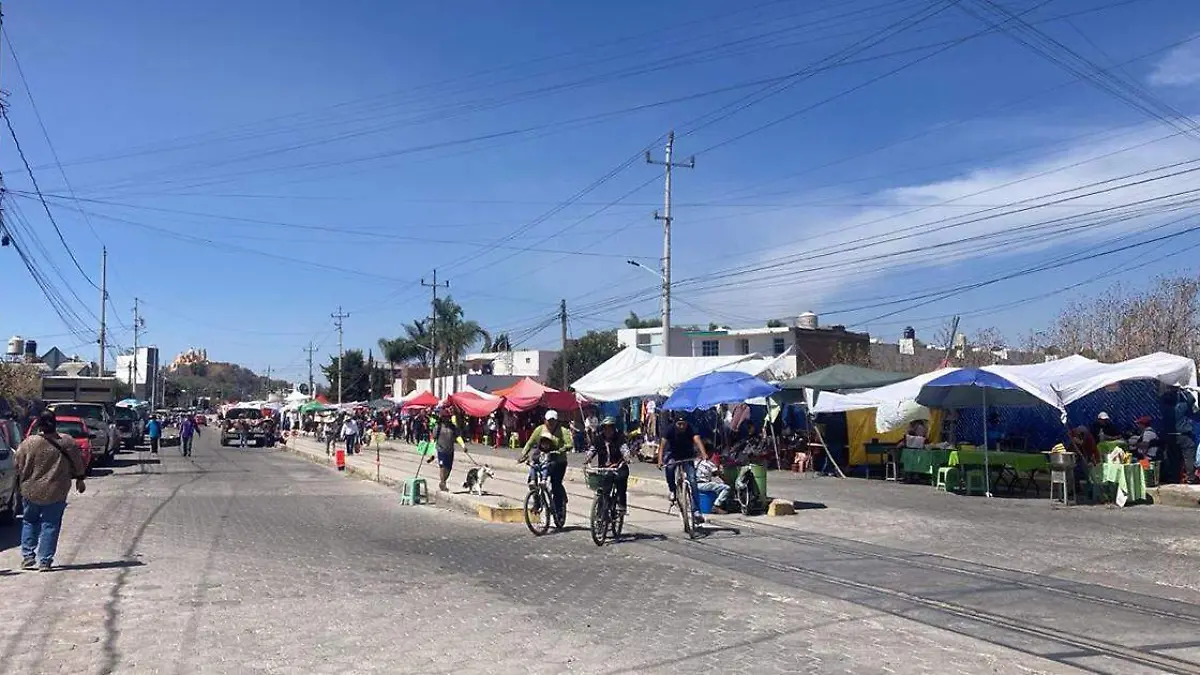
(100, 419)
(131, 427)
(10, 496)
(82, 430)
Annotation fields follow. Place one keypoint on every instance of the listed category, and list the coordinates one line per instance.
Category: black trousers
(557, 470)
(154, 445)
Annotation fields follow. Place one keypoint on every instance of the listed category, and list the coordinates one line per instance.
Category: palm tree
(455, 335)
(500, 343)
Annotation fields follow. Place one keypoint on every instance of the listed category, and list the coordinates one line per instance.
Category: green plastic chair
(975, 482)
(414, 491)
(947, 478)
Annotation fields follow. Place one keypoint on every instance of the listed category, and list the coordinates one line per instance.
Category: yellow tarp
(860, 425)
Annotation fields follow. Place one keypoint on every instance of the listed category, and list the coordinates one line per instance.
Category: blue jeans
(721, 489)
(39, 532)
(186, 444)
(689, 470)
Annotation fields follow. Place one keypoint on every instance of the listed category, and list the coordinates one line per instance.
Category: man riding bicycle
(682, 444)
(609, 451)
(556, 446)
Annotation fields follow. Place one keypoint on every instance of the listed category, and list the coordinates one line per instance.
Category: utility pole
(562, 319)
(268, 381)
(310, 349)
(667, 164)
(103, 302)
(433, 353)
(337, 321)
(138, 323)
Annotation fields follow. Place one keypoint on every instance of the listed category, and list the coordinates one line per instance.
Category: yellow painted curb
(496, 514)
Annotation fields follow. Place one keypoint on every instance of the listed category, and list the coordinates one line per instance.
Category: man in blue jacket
(154, 430)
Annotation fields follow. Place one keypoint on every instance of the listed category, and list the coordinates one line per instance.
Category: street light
(666, 331)
(654, 272)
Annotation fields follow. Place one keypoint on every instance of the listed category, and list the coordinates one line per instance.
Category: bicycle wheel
(600, 522)
(687, 510)
(537, 513)
(618, 519)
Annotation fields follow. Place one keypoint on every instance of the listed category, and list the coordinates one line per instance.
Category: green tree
(775, 323)
(454, 334)
(634, 321)
(354, 376)
(583, 355)
(500, 343)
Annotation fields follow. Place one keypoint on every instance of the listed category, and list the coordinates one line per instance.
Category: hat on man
(1102, 416)
(551, 415)
(609, 421)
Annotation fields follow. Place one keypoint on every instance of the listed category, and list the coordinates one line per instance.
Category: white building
(533, 363)
(139, 370)
(720, 342)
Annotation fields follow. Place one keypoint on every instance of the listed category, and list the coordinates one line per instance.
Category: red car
(77, 428)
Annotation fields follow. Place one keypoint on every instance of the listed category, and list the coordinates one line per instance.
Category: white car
(10, 498)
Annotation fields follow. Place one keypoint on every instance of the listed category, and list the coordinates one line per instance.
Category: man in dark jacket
(46, 463)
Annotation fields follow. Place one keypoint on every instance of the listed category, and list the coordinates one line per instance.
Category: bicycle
(539, 503)
(606, 509)
(683, 495)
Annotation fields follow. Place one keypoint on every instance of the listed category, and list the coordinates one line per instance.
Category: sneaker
(44, 566)
(28, 563)
(697, 517)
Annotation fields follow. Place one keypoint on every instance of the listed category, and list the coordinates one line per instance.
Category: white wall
(533, 363)
(650, 340)
(761, 342)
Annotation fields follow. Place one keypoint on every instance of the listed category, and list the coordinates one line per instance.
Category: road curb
(463, 503)
(1177, 495)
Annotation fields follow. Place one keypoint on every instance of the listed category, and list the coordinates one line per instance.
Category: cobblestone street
(256, 561)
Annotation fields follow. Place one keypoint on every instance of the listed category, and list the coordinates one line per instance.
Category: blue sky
(252, 166)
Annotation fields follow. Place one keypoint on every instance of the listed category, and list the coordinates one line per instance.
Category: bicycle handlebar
(677, 462)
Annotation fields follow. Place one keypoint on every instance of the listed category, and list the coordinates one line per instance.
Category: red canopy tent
(422, 400)
(473, 404)
(529, 394)
(322, 399)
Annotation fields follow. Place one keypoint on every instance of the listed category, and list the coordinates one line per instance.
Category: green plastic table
(1008, 466)
(1129, 478)
(923, 460)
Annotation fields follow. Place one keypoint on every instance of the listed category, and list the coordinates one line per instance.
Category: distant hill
(214, 379)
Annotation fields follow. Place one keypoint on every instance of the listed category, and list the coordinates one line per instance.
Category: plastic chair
(414, 491)
(975, 482)
(889, 471)
(947, 478)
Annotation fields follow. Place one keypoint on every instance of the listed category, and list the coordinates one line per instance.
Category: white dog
(476, 476)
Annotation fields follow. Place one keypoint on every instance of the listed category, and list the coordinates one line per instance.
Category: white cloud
(864, 269)
(1180, 66)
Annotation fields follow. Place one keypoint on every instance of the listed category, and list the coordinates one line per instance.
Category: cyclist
(610, 451)
(556, 446)
(680, 444)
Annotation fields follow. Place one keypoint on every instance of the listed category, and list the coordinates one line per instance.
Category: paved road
(255, 561)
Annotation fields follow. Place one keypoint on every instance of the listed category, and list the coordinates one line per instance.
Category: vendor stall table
(1127, 478)
(1008, 467)
(924, 461)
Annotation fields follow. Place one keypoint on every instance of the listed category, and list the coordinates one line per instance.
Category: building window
(743, 346)
(780, 347)
(710, 348)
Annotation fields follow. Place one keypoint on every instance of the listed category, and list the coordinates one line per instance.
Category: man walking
(154, 431)
(446, 437)
(187, 428)
(350, 433)
(46, 463)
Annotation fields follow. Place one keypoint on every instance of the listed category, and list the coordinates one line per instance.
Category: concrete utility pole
(337, 321)
(138, 323)
(562, 319)
(268, 381)
(103, 302)
(433, 353)
(310, 349)
(666, 218)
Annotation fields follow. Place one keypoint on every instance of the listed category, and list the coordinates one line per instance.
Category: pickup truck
(131, 428)
(100, 418)
(248, 419)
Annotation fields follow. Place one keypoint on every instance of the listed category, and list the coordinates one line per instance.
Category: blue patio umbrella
(975, 387)
(712, 389)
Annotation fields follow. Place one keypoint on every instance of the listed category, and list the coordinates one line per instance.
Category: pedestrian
(154, 431)
(187, 428)
(46, 463)
(446, 437)
(350, 434)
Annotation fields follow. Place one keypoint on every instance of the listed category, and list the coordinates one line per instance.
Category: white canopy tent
(633, 372)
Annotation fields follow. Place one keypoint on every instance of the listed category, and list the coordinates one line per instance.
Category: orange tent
(529, 394)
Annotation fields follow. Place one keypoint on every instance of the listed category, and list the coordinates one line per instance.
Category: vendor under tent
(528, 394)
(423, 399)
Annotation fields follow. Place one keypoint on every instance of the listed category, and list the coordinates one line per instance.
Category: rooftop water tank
(31, 351)
(807, 320)
(16, 345)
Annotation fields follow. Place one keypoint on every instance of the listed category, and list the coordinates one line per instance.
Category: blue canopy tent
(712, 389)
(977, 387)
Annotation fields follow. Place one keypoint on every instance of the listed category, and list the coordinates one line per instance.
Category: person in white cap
(1104, 430)
(558, 444)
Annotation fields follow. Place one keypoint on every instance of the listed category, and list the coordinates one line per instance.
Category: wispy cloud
(1180, 67)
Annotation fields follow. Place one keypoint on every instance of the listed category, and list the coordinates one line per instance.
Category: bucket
(706, 500)
(760, 477)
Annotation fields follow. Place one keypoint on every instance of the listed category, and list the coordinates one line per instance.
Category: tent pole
(812, 424)
(987, 469)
